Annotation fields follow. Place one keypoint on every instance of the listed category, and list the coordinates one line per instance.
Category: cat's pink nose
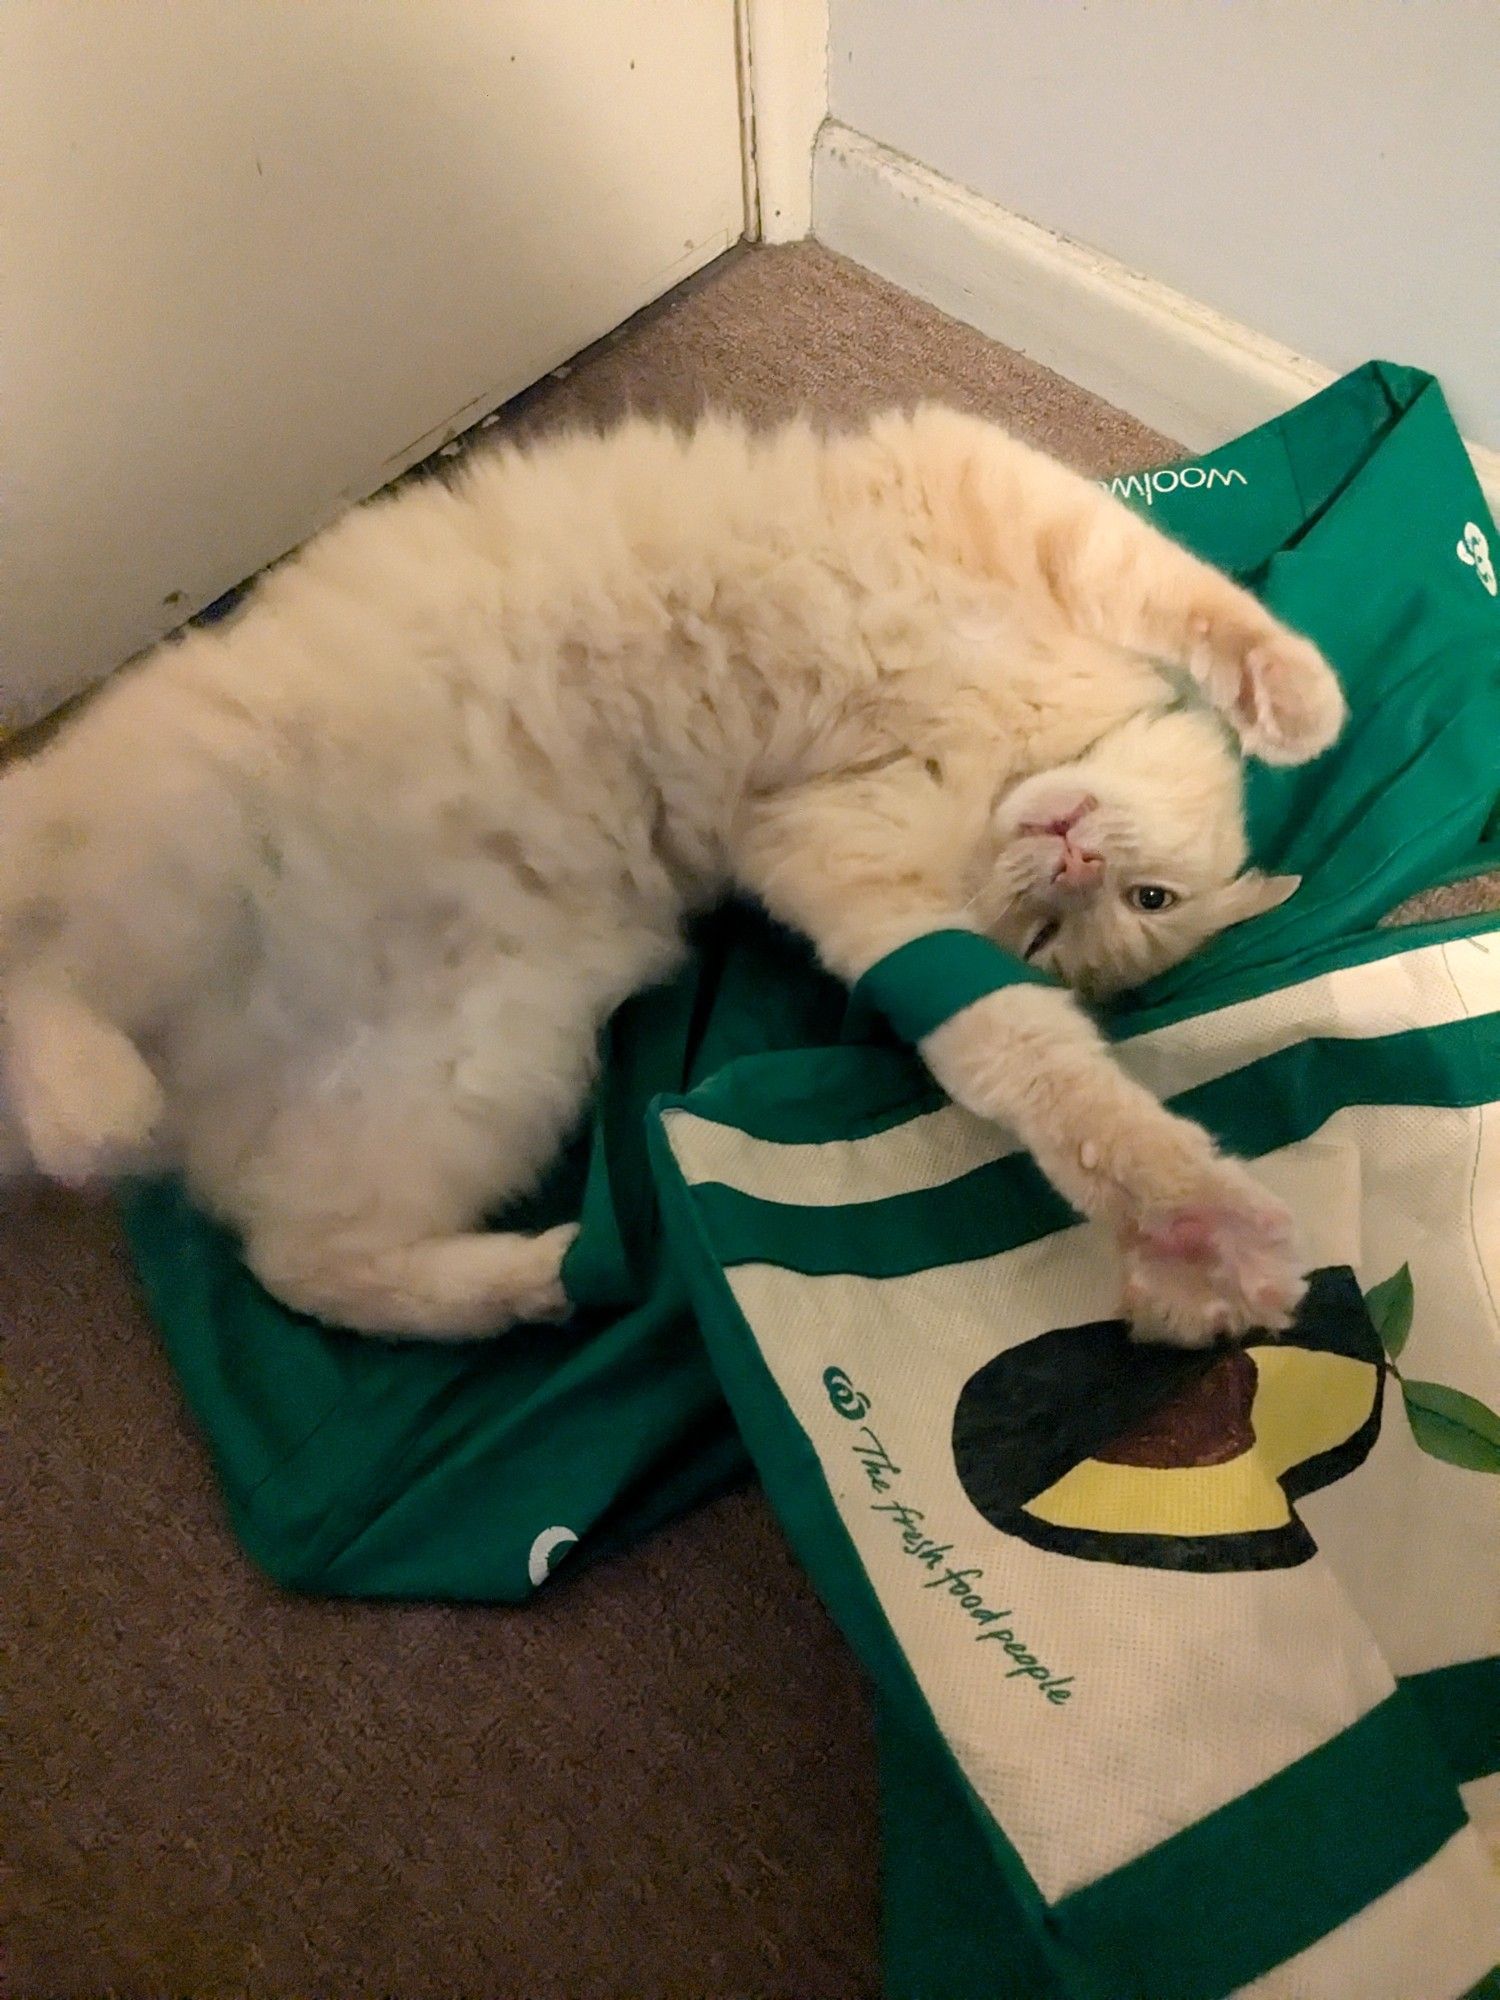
(1077, 868)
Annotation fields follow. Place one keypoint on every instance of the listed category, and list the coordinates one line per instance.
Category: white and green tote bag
(1186, 1663)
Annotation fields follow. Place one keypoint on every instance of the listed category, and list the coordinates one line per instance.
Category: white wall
(260, 254)
(1326, 172)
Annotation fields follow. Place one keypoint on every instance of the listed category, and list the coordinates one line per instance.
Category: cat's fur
(326, 905)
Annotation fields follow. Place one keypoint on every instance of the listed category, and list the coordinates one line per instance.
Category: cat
(324, 906)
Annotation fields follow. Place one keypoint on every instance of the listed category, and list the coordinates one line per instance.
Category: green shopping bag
(350, 1466)
(1183, 1660)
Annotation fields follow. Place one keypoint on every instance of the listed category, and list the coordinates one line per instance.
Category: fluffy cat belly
(492, 1046)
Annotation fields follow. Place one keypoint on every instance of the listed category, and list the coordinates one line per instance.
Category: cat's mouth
(1041, 937)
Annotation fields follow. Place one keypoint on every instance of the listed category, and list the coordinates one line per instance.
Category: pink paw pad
(1190, 1233)
(1206, 1272)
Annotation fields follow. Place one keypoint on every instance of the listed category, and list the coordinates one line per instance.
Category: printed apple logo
(1084, 1444)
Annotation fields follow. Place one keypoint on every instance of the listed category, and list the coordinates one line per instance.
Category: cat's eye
(1151, 897)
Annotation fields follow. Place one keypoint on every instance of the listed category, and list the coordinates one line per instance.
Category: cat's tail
(125, 845)
(80, 1103)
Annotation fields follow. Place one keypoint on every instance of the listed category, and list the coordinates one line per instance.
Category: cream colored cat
(326, 905)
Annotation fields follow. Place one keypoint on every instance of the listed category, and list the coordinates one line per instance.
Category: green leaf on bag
(1449, 1425)
(1389, 1306)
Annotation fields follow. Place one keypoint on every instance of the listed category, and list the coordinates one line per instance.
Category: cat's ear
(1251, 895)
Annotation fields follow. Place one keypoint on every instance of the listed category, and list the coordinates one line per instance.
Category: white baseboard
(783, 54)
(1179, 366)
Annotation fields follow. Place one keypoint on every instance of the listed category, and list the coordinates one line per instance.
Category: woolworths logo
(1146, 485)
(1474, 549)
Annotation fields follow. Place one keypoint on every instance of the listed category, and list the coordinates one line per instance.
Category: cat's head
(1106, 871)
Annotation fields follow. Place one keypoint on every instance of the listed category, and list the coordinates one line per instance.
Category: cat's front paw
(1214, 1269)
(1283, 697)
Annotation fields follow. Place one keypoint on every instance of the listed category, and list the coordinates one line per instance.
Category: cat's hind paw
(1212, 1271)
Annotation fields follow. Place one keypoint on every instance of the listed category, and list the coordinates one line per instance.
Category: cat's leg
(1118, 578)
(361, 1197)
(1206, 1251)
(461, 1286)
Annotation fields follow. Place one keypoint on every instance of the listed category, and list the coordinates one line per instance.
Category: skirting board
(1178, 366)
(783, 54)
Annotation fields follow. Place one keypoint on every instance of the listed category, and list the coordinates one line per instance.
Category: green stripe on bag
(1277, 1101)
(1462, 1706)
(1276, 1869)
(925, 983)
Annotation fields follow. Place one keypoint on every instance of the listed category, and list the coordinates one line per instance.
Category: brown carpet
(657, 1781)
